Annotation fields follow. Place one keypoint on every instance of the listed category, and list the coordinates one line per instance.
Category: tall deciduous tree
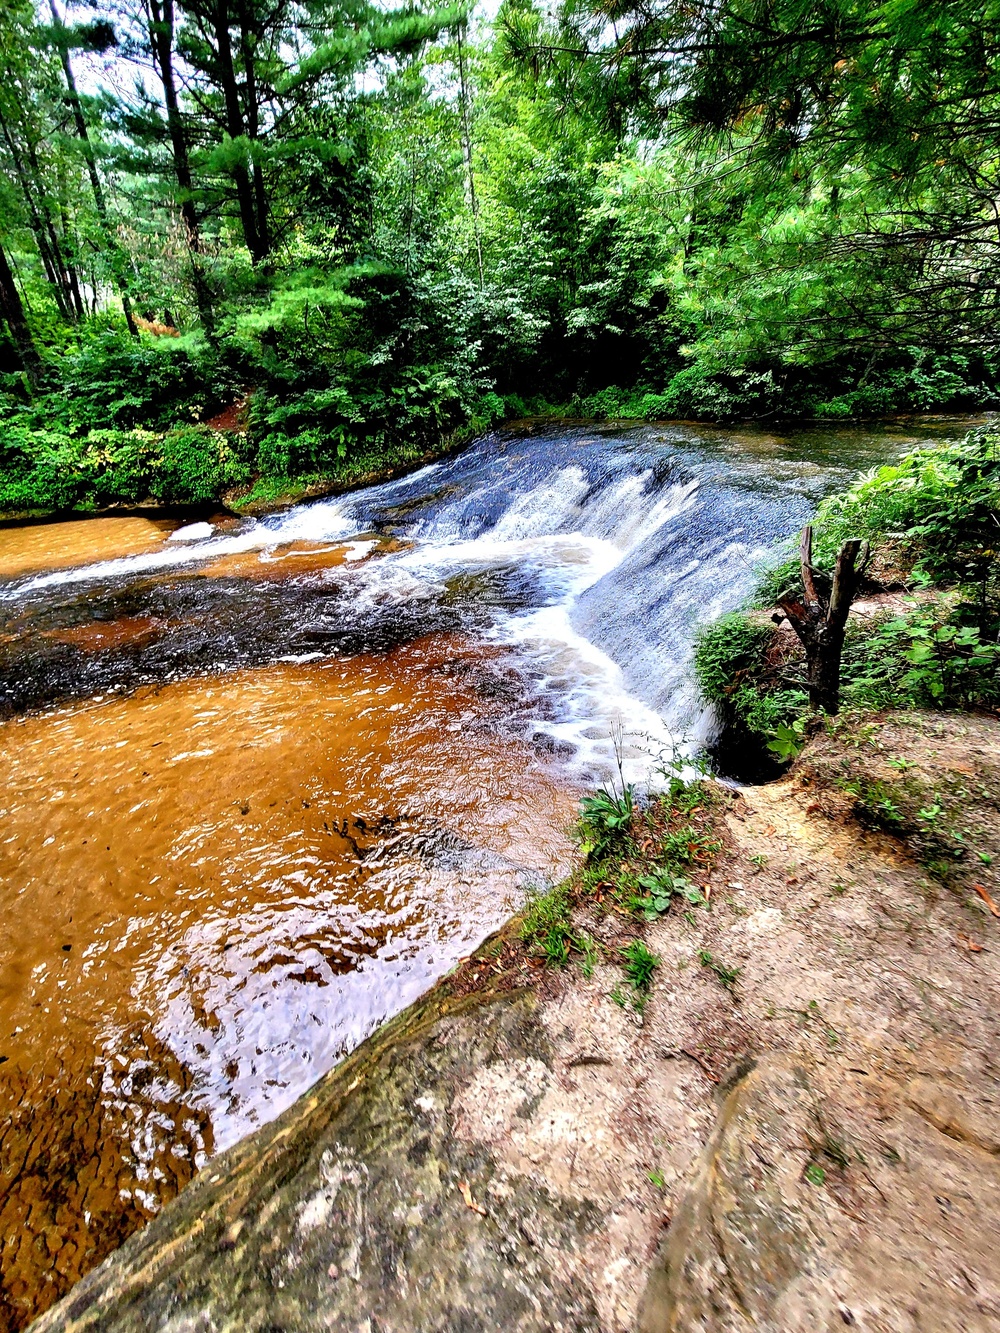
(12, 312)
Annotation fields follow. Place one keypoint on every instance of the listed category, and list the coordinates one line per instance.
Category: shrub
(698, 391)
(941, 502)
(114, 466)
(115, 380)
(925, 659)
(731, 652)
(36, 470)
(198, 464)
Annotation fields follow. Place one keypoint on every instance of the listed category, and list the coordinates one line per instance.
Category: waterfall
(592, 555)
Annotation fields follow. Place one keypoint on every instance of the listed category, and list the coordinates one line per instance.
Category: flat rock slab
(384, 1200)
(815, 1147)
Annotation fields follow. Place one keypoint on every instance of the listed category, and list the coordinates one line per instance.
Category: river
(266, 780)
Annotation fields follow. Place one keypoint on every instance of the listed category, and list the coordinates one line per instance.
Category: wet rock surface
(812, 1148)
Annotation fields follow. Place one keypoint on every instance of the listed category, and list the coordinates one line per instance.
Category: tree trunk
(253, 128)
(161, 37)
(95, 181)
(467, 152)
(53, 207)
(45, 238)
(12, 312)
(820, 622)
(237, 130)
(71, 262)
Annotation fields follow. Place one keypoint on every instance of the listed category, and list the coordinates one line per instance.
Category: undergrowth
(934, 521)
(639, 859)
(905, 808)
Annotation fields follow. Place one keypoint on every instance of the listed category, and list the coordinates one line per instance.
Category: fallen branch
(470, 1202)
(987, 899)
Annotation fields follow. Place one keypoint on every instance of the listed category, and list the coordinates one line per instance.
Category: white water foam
(567, 530)
(256, 537)
(596, 716)
(611, 732)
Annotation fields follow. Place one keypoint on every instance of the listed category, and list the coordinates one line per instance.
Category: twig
(470, 1202)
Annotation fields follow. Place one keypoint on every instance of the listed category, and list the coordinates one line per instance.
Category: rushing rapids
(265, 780)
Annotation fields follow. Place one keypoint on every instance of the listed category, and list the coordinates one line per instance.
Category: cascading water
(266, 780)
(595, 554)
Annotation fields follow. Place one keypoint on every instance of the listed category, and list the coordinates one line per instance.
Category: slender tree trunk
(72, 275)
(63, 236)
(12, 312)
(253, 128)
(820, 622)
(95, 180)
(67, 266)
(467, 151)
(161, 36)
(48, 247)
(237, 130)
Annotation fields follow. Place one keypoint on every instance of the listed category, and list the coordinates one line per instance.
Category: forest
(363, 233)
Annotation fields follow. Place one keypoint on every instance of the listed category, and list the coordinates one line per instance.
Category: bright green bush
(112, 379)
(925, 659)
(36, 469)
(729, 652)
(939, 508)
(198, 464)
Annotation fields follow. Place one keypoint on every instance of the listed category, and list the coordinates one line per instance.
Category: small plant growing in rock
(546, 925)
(788, 739)
(555, 948)
(728, 976)
(588, 947)
(605, 818)
(639, 966)
(661, 886)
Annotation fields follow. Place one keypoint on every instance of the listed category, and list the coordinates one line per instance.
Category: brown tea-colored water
(260, 789)
(29, 548)
(214, 889)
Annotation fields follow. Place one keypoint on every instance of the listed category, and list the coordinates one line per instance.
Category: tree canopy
(379, 224)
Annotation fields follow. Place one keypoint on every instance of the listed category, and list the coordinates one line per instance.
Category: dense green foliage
(387, 224)
(934, 519)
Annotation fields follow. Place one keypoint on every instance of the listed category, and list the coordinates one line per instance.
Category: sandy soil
(814, 1145)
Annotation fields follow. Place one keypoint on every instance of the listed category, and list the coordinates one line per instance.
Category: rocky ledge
(798, 1131)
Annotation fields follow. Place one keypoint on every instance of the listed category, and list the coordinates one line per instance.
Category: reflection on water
(216, 889)
(264, 781)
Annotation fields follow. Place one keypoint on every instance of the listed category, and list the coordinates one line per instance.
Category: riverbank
(125, 473)
(248, 497)
(793, 1127)
(302, 737)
